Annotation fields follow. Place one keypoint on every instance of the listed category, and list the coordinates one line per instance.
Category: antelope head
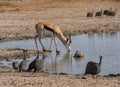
(68, 45)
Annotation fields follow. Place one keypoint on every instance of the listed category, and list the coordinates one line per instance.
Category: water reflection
(59, 63)
(106, 44)
(79, 59)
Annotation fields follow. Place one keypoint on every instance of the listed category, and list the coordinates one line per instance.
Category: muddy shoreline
(47, 80)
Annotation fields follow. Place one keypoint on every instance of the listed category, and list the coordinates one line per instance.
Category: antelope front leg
(57, 49)
(40, 37)
(42, 44)
(51, 43)
(36, 36)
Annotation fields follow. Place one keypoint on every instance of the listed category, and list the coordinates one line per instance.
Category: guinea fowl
(37, 64)
(90, 14)
(32, 64)
(113, 13)
(106, 12)
(98, 14)
(93, 67)
(23, 65)
(15, 65)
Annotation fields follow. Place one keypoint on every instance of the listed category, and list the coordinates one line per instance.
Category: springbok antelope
(41, 26)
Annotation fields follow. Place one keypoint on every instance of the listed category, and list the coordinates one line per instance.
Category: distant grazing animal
(15, 65)
(98, 14)
(23, 65)
(90, 14)
(37, 64)
(113, 13)
(106, 12)
(93, 67)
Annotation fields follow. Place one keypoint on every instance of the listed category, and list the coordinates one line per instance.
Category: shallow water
(107, 45)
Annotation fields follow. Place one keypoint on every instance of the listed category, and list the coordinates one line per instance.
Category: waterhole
(107, 45)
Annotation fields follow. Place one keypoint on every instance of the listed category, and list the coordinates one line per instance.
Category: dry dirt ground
(18, 19)
(10, 78)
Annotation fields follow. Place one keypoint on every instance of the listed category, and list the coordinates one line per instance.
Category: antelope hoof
(45, 50)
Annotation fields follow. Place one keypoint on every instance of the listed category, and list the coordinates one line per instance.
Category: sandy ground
(10, 78)
(17, 21)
